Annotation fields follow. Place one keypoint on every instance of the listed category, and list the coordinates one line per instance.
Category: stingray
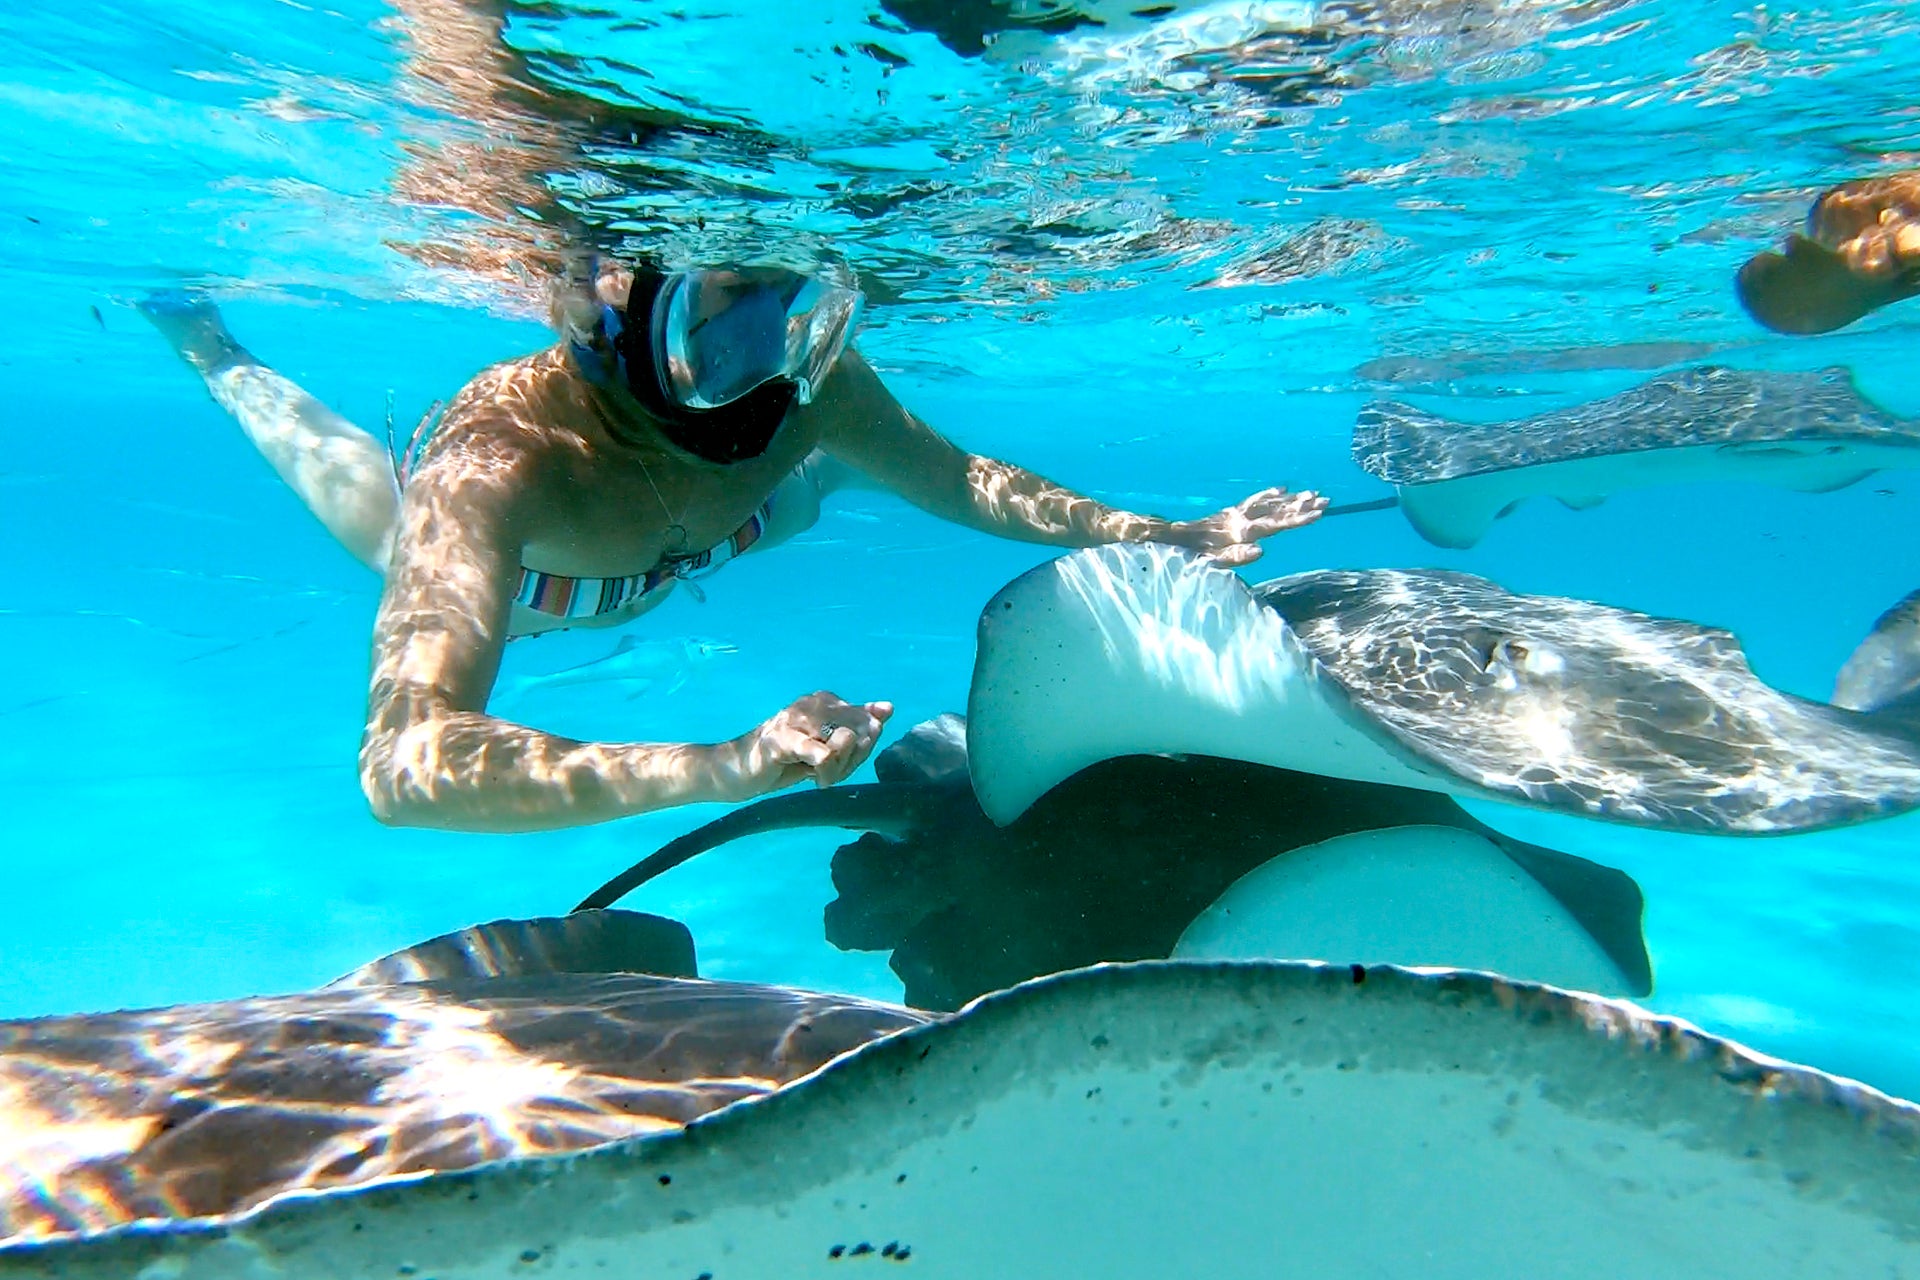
(514, 1038)
(1123, 861)
(1883, 674)
(1433, 680)
(1450, 366)
(635, 666)
(1808, 431)
(1124, 1122)
(1286, 51)
(1021, 28)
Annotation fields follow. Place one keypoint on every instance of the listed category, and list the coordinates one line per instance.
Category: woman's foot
(191, 324)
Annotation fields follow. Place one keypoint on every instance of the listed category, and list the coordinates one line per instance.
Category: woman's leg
(343, 474)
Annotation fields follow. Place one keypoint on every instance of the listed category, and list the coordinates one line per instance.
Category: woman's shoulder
(504, 418)
(524, 404)
(524, 383)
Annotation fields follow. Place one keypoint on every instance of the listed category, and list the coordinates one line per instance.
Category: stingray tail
(886, 808)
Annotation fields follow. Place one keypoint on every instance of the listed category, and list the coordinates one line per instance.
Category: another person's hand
(1232, 537)
(821, 736)
(1861, 252)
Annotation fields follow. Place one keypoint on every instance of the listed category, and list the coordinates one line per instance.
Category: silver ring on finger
(827, 731)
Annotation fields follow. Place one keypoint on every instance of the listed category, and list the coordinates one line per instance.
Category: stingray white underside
(1140, 649)
(1414, 896)
(1458, 512)
(1163, 1121)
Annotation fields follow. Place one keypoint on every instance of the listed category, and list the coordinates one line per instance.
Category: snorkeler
(682, 420)
(1860, 252)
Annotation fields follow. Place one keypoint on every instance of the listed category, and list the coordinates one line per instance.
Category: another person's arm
(1861, 251)
(431, 756)
(869, 429)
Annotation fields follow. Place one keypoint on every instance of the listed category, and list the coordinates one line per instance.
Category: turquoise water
(1055, 231)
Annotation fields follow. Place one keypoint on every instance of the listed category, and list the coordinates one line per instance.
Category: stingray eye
(1509, 656)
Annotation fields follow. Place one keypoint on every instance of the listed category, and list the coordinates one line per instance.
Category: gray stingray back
(1711, 405)
(1578, 706)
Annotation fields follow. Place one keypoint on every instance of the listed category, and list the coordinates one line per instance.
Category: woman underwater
(697, 417)
(683, 418)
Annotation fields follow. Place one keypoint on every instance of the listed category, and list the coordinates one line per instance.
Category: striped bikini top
(561, 597)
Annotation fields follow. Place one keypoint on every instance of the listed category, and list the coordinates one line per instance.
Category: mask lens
(720, 334)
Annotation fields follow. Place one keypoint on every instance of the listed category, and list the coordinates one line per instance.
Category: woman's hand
(821, 736)
(1232, 537)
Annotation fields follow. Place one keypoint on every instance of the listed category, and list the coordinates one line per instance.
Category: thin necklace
(677, 532)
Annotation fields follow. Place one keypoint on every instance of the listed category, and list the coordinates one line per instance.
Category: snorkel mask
(718, 357)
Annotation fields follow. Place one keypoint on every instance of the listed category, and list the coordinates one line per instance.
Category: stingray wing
(1708, 405)
(1598, 711)
(1142, 649)
(1145, 1121)
(584, 942)
(205, 1110)
(1884, 672)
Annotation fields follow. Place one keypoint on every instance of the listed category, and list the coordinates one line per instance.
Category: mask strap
(599, 355)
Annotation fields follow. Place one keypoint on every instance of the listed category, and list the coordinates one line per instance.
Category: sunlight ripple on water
(1428, 166)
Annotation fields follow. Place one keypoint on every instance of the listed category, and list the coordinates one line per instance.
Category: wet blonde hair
(573, 306)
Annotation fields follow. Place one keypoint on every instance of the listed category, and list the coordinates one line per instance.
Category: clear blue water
(1060, 223)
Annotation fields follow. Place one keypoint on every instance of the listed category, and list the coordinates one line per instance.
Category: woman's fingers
(1240, 553)
(1264, 514)
(853, 740)
(791, 744)
(1275, 510)
(826, 735)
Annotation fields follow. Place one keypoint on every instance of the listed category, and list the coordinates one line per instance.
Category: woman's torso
(605, 501)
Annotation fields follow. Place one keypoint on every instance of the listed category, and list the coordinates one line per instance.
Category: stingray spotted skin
(205, 1110)
(1693, 407)
(1581, 707)
(1158, 1120)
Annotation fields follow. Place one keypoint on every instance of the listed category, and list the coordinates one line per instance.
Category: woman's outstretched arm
(867, 428)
